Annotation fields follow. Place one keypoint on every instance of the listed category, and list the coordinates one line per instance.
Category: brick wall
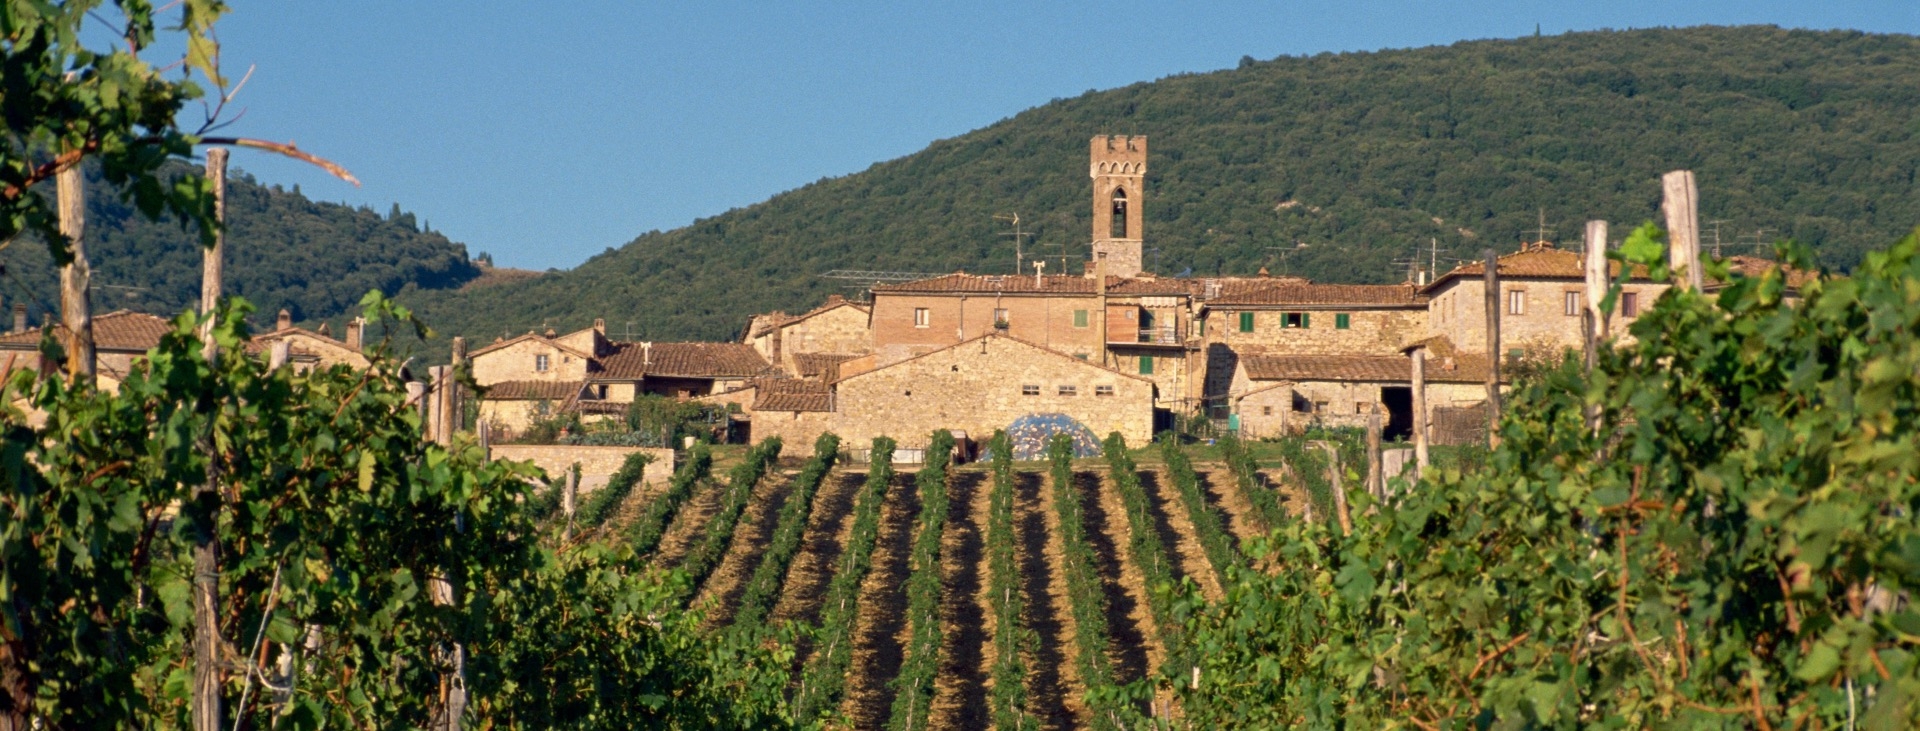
(1047, 321)
(596, 463)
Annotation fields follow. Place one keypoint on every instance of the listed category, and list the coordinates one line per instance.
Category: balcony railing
(1163, 335)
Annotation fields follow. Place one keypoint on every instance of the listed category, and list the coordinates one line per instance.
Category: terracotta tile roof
(533, 390)
(1302, 293)
(631, 361)
(817, 364)
(1754, 266)
(792, 394)
(1534, 261)
(123, 330)
(1391, 368)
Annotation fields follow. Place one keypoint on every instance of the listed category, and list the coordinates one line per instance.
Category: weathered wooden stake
(206, 496)
(1595, 318)
(569, 495)
(1339, 493)
(1492, 285)
(437, 395)
(1681, 203)
(76, 277)
(1420, 424)
(1376, 472)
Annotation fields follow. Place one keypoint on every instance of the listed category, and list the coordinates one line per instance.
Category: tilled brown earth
(1052, 684)
(827, 529)
(960, 689)
(1223, 493)
(723, 590)
(689, 523)
(1176, 533)
(881, 627)
(1129, 621)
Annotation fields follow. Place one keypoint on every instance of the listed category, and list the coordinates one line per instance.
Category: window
(1515, 354)
(1030, 390)
(1069, 390)
(1342, 321)
(1319, 407)
(1000, 317)
(1516, 302)
(603, 392)
(1082, 356)
(1103, 390)
(540, 363)
(1359, 407)
(921, 317)
(1293, 320)
(1079, 318)
(1629, 304)
(1146, 365)
(1266, 411)
(1573, 304)
(1119, 213)
(1246, 322)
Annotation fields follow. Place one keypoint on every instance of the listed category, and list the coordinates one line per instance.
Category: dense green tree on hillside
(1359, 156)
(285, 251)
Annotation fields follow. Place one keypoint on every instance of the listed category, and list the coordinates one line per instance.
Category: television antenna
(1019, 236)
(1540, 234)
(1282, 252)
(1715, 223)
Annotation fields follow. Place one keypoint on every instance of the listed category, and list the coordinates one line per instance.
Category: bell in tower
(1119, 171)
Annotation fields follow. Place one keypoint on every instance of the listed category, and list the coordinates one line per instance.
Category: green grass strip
(763, 590)
(824, 680)
(913, 697)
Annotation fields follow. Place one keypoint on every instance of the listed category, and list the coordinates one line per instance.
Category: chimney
(284, 321)
(646, 354)
(325, 329)
(19, 317)
(600, 325)
(459, 350)
(1039, 270)
(356, 330)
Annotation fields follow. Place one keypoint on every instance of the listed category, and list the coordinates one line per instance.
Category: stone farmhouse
(1113, 347)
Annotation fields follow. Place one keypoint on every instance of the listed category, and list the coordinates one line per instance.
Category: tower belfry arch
(1118, 165)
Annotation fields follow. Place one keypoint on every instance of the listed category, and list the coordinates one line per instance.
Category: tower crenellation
(1118, 166)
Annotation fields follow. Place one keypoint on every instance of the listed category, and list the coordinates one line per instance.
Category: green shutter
(1342, 321)
(1079, 318)
(1306, 319)
(1246, 322)
(1146, 365)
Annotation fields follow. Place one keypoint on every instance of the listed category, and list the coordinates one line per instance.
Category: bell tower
(1119, 171)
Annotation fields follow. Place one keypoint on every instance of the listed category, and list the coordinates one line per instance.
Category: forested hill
(1360, 156)
(315, 259)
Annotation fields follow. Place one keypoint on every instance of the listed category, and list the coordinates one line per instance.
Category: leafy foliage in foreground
(1358, 155)
(1734, 547)
(334, 519)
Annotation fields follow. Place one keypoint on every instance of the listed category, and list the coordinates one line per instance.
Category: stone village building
(1114, 347)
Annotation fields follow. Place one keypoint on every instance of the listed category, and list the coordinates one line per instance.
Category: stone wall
(839, 330)
(1368, 332)
(1266, 412)
(516, 362)
(796, 429)
(1459, 312)
(596, 463)
(979, 387)
(511, 415)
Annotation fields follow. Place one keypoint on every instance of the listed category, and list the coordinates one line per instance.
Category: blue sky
(545, 133)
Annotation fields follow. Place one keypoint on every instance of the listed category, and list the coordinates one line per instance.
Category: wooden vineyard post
(76, 304)
(569, 497)
(441, 383)
(1339, 493)
(456, 396)
(1492, 285)
(1420, 425)
(205, 707)
(1376, 472)
(1681, 203)
(1595, 318)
